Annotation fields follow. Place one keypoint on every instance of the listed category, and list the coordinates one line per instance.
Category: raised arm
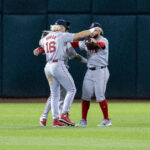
(80, 58)
(86, 33)
(101, 44)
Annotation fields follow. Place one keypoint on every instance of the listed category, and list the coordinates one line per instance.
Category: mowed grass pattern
(20, 129)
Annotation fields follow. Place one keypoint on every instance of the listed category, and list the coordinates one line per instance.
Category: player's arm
(73, 54)
(80, 58)
(101, 44)
(75, 44)
(95, 45)
(69, 37)
(38, 50)
(79, 44)
(82, 45)
(86, 33)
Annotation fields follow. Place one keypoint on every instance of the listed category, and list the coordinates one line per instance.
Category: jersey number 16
(50, 47)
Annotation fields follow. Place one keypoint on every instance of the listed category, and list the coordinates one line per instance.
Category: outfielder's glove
(91, 45)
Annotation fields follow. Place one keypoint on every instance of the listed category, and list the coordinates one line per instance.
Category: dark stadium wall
(143, 56)
(0, 55)
(125, 23)
(22, 73)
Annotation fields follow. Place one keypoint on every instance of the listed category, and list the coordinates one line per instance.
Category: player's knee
(71, 90)
(86, 98)
(75, 90)
(100, 99)
(55, 96)
(49, 98)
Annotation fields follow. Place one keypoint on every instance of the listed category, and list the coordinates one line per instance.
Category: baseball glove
(91, 45)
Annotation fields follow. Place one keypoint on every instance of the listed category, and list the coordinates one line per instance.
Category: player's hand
(98, 29)
(36, 52)
(94, 33)
(93, 40)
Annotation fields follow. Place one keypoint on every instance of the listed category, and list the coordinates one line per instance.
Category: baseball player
(70, 54)
(97, 75)
(54, 45)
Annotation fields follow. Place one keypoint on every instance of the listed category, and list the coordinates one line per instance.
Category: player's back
(54, 46)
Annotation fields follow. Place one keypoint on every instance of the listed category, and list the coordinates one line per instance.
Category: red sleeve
(75, 44)
(40, 49)
(101, 44)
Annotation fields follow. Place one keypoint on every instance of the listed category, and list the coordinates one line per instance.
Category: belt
(94, 68)
(55, 60)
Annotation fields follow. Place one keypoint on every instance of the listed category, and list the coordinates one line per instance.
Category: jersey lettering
(51, 37)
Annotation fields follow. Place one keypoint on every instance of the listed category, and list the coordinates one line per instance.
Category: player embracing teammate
(70, 54)
(54, 45)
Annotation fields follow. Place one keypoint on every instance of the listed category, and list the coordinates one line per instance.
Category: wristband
(92, 30)
(40, 49)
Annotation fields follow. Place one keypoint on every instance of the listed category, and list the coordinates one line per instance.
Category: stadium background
(126, 24)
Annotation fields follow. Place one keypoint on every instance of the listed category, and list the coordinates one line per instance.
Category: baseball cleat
(105, 122)
(82, 123)
(43, 121)
(65, 119)
(57, 123)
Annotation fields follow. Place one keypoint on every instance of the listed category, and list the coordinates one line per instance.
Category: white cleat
(105, 123)
(82, 123)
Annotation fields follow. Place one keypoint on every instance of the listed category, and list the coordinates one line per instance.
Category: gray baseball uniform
(70, 54)
(97, 75)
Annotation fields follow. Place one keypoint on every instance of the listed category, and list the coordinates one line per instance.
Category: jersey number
(50, 47)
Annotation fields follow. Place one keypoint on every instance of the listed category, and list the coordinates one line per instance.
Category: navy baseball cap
(62, 22)
(95, 24)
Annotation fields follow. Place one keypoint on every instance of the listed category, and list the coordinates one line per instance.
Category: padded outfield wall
(126, 24)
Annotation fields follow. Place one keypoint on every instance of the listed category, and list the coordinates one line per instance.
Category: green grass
(20, 129)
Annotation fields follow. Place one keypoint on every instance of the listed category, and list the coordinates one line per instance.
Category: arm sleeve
(75, 44)
(101, 44)
(71, 51)
(68, 37)
(79, 44)
(40, 49)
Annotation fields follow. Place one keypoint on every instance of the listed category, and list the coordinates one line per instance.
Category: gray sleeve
(68, 37)
(106, 42)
